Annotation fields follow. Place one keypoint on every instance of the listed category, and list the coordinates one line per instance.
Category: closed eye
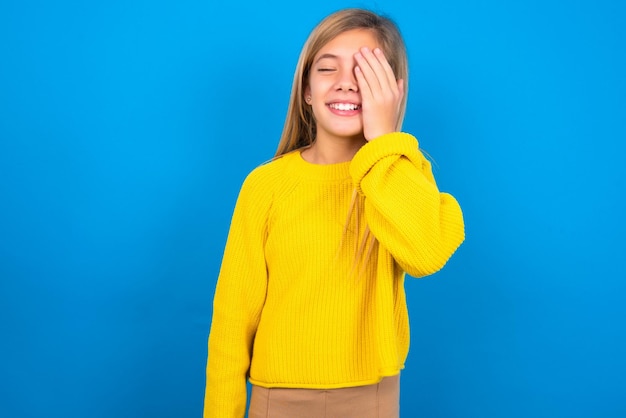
(325, 70)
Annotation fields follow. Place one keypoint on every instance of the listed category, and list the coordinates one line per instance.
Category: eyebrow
(331, 56)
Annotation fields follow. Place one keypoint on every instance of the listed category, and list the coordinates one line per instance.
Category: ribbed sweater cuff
(395, 143)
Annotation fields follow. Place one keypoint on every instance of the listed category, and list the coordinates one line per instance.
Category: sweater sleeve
(237, 305)
(405, 211)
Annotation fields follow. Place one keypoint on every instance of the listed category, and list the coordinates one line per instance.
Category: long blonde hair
(299, 129)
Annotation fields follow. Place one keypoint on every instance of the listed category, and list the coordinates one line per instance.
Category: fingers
(364, 88)
(377, 77)
(381, 93)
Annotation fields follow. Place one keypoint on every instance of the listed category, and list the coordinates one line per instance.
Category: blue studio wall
(127, 127)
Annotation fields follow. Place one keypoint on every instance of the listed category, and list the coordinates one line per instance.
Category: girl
(310, 302)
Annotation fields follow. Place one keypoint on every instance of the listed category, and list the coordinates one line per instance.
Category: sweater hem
(286, 385)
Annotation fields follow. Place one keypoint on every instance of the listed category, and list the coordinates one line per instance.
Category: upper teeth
(344, 106)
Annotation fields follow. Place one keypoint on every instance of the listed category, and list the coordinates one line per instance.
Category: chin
(357, 136)
(349, 133)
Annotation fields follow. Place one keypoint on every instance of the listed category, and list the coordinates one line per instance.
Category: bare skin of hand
(381, 93)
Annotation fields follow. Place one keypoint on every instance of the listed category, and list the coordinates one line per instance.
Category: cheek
(320, 86)
(318, 109)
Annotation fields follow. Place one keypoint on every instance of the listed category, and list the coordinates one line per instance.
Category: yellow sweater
(288, 309)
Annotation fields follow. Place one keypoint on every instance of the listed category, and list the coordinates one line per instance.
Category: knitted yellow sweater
(289, 309)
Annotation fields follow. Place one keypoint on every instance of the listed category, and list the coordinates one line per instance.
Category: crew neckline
(334, 171)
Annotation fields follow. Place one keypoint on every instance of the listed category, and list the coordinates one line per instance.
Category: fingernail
(378, 51)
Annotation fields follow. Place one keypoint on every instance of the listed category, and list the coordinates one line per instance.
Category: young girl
(310, 302)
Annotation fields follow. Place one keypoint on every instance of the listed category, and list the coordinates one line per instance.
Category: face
(333, 90)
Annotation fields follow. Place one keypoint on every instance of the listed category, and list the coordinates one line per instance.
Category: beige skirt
(381, 400)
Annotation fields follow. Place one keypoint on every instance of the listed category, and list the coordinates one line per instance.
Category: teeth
(344, 106)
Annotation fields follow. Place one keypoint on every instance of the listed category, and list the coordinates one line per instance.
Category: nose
(347, 81)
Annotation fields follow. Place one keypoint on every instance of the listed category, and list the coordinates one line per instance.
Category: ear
(307, 93)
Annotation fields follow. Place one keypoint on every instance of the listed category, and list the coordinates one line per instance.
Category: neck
(337, 150)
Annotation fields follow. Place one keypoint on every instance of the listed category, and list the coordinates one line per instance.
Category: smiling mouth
(344, 106)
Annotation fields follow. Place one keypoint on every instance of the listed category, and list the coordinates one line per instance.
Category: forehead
(348, 43)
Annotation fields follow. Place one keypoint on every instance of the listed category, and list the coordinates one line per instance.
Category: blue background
(127, 127)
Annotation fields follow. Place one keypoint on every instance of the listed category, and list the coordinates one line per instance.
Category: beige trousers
(381, 400)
